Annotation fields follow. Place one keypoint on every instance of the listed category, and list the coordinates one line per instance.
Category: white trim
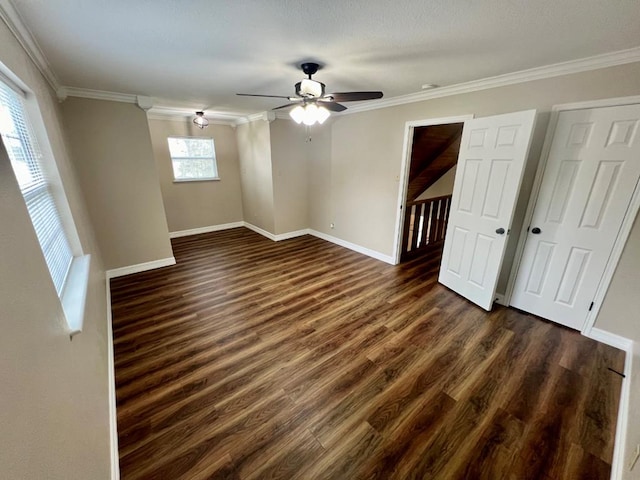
(267, 116)
(113, 415)
(140, 267)
(404, 170)
(145, 103)
(64, 92)
(627, 222)
(500, 300)
(23, 35)
(610, 339)
(352, 246)
(74, 293)
(596, 62)
(162, 112)
(260, 231)
(286, 236)
(210, 228)
(603, 102)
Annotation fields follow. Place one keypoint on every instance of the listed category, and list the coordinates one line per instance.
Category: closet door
(491, 161)
(590, 176)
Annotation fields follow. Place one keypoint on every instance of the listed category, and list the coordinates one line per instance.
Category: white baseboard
(626, 345)
(288, 235)
(352, 246)
(611, 339)
(338, 241)
(140, 267)
(622, 425)
(113, 418)
(211, 228)
(260, 231)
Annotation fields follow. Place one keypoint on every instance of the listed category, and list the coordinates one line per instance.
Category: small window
(193, 159)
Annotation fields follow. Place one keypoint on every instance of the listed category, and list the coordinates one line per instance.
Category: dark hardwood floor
(303, 360)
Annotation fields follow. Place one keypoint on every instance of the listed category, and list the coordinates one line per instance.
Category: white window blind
(25, 159)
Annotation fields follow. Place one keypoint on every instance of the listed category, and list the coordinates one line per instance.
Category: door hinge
(591, 306)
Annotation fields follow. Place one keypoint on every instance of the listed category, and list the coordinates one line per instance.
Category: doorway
(431, 155)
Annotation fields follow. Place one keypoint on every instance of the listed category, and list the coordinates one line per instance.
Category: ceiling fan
(311, 102)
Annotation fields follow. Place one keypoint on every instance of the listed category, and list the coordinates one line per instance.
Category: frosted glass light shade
(310, 114)
(297, 114)
(200, 121)
(323, 114)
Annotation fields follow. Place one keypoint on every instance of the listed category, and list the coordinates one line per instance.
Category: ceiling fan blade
(285, 106)
(353, 96)
(258, 95)
(333, 106)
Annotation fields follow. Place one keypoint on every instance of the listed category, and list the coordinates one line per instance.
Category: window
(25, 158)
(69, 273)
(193, 159)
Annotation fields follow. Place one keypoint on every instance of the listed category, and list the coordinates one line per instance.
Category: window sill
(187, 180)
(74, 295)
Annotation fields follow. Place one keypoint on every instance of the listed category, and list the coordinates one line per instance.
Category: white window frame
(212, 158)
(73, 292)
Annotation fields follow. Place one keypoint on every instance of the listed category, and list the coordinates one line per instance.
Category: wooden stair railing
(425, 225)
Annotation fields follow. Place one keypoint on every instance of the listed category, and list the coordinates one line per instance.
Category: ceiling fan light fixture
(297, 114)
(200, 121)
(310, 114)
(323, 114)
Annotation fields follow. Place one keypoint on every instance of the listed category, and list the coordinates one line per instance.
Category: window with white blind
(69, 274)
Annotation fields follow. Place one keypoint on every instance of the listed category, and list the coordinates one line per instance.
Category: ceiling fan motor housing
(308, 88)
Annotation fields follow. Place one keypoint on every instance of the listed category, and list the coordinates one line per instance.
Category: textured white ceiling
(201, 52)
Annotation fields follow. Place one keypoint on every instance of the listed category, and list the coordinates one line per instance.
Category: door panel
(591, 173)
(491, 161)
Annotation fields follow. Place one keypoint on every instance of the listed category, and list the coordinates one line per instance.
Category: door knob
(500, 231)
(536, 231)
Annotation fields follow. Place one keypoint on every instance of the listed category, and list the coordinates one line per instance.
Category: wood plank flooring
(300, 359)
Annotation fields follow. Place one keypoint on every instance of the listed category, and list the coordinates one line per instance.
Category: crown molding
(64, 92)
(266, 116)
(160, 112)
(604, 60)
(11, 17)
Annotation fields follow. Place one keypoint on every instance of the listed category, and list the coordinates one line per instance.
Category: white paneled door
(491, 161)
(592, 170)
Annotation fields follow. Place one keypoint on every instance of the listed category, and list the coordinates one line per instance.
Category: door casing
(404, 170)
(627, 222)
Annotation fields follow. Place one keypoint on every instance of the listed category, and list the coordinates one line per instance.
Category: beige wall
(111, 148)
(442, 186)
(321, 205)
(366, 149)
(191, 205)
(54, 414)
(254, 152)
(289, 157)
